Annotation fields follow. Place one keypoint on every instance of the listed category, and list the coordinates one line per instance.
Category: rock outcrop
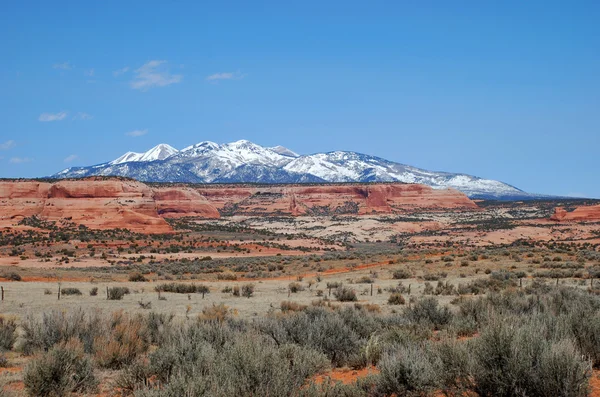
(106, 203)
(95, 203)
(589, 213)
(332, 199)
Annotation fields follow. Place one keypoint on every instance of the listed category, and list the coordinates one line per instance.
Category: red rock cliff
(581, 214)
(99, 204)
(111, 203)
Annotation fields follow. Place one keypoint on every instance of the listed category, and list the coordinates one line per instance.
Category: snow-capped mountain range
(244, 161)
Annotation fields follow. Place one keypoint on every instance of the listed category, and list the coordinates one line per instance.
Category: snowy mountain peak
(158, 152)
(244, 161)
(284, 151)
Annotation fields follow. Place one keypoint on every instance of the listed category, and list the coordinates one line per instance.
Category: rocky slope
(105, 203)
(246, 162)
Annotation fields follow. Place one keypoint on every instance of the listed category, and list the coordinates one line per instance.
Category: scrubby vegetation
(535, 342)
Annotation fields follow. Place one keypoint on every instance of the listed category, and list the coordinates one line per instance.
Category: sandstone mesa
(105, 203)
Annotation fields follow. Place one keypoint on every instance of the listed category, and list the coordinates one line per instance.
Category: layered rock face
(581, 214)
(122, 203)
(98, 204)
(357, 199)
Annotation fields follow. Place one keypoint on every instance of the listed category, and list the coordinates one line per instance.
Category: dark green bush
(8, 335)
(117, 293)
(70, 291)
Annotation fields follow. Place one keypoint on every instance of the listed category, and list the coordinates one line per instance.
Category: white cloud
(83, 116)
(90, 72)
(52, 116)
(62, 66)
(20, 160)
(225, 76)
(70, 158)
(7, 145)
(136, 133)
(121, 71)
(154, 74)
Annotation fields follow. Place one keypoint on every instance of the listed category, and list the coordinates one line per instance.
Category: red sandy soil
(595, 384)
(345, 375)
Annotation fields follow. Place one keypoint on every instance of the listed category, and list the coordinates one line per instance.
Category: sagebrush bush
(8, 335)
(125, 340)
(409, 371)
(117, 293)
(516, 359)
(59, 326)
(217, 313)
(428, 310)
(396, 299)
(345, 294)
(137, 277)
(70, 291)
(295, 287)
(63, 370)
(288, 306)
(401, 274)
(247, 290)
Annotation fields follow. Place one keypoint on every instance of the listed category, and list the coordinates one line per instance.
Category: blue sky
(505, 90)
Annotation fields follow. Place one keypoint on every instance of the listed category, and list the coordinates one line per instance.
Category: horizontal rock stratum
(106, 203)
(580, 214)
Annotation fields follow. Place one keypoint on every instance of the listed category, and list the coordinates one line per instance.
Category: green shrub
(295, 287)
(13, 276)
(8, 335)
(345, 294)
(70, 291)
(520, 359)
(401, 274)
(137, 277)
(408, 371)
(247, 290)
(63, 370)
(428, 310)
(117, 293)
(396, 299)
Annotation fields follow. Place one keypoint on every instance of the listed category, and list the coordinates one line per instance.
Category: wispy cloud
(154, 74)
(225, 76)
(8, 145)
(20, 160)
(52, 116)
(136, 133)
(71, 158)
(63, 66)
(121, 71)
(83, 116)
(90, 72)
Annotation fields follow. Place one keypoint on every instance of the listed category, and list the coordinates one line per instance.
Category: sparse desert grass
(435, 333)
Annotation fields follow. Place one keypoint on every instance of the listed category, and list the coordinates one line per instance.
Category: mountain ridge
(246, 162)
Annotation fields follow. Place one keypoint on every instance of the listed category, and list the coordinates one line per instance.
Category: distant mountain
(244, 161)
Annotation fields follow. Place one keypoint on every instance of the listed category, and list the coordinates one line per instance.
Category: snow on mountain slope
(158, 152)
(284, 151)
(244, 161)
